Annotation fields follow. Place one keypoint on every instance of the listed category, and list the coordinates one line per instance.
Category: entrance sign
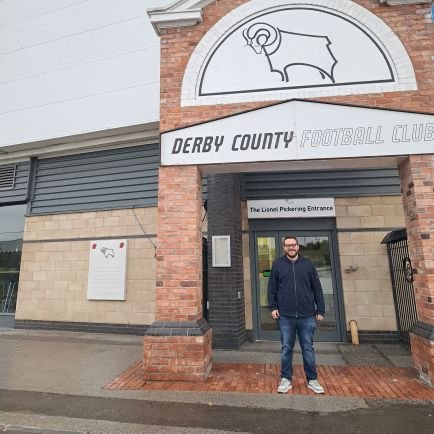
(107, 270)
(291, 208)
(300, 130)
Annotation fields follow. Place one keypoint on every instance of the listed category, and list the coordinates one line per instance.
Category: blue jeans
(304, 328)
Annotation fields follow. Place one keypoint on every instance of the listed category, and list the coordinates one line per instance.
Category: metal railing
(402, 283)
(8, 298)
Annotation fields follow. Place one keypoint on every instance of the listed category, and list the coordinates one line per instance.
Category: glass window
(267, 253)
(11, 241)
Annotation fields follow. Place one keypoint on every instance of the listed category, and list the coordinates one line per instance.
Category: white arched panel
(280, 49)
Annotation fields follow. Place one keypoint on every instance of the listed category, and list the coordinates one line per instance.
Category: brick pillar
(417, 187)
(177, 346)
(226, 285)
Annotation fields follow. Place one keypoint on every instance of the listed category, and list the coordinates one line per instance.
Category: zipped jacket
(294, 288)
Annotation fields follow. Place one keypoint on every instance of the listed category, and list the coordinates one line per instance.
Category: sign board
(107, 270)
(291, 208)
(300, 130)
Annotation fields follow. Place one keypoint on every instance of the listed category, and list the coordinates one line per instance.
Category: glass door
(318, 246)
(267, 250)
(11, 241)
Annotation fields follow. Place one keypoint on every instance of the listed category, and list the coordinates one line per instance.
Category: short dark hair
(290, 237)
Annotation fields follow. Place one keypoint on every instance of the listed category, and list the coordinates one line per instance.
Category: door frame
(308, 225)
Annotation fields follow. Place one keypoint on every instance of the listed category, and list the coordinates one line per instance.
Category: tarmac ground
(56, 382)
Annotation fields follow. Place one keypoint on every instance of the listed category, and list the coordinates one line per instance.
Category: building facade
(276, 117)
(223, 66)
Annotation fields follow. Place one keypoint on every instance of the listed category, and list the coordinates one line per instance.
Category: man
(296, 300)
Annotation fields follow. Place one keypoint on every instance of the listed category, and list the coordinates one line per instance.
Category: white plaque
(107, 270)
(291, 208)
(221, 251)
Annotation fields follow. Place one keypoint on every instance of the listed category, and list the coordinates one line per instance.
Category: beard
(292, 254)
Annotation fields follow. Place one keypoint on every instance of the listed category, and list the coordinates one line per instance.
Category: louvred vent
(7, 177)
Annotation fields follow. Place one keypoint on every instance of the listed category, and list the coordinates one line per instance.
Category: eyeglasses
(290, 245)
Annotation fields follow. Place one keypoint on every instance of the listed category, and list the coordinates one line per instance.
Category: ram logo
(107, 252)
(285, 49)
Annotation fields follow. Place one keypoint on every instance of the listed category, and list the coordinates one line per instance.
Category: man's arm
(272, 292)
(318, 293)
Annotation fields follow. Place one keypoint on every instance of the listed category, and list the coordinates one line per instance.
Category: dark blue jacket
(294, 288)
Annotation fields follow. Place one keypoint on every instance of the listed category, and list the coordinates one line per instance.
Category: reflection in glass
(317, 249)
(11, 241)
(266, 248)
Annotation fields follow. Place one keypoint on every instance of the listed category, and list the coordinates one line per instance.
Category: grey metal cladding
(18, 193)
(119, 178)
(204, 187)
(321, 183)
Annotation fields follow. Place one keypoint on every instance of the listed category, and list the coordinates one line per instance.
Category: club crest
(284, 49)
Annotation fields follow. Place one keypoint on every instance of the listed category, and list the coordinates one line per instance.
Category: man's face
(291, 247)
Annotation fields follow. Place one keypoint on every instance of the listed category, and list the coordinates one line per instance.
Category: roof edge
(180, 13)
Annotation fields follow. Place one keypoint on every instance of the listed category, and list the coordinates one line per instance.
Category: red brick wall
(417, 186)
(177, 358)
(179, 281)
(406, 21)
(422, 351)
(179, 252)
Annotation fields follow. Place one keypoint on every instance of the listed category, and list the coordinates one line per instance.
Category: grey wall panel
(119, 178)
(19, 192)
(332, 183)
(204, 187)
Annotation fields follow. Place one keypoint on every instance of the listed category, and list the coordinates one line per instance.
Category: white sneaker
(284, 386)
(315, 386)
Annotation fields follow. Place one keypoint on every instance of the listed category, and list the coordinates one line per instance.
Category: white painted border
(383, 34)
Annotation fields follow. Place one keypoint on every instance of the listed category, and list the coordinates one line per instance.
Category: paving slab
(62, 361)
(338, 381)
(363, 355)
(83, 363)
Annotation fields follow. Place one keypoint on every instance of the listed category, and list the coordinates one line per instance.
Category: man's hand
(275, 314)
(319, 317)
